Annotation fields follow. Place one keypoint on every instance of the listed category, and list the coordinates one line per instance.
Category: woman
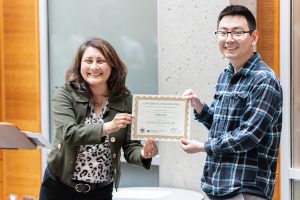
(91, 117)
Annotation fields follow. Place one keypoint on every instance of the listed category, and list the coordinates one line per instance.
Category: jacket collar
(80, 96)
(116, 103)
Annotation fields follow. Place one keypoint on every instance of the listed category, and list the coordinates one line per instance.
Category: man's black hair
(234, 10)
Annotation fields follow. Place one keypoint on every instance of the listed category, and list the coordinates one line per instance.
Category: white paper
(39, 140)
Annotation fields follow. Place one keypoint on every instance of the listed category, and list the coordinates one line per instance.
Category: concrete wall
(135, 176)
(188, 58)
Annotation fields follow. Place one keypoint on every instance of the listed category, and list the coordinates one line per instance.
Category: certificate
(160, 117)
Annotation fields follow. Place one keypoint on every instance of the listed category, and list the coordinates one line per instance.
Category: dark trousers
(53, 189)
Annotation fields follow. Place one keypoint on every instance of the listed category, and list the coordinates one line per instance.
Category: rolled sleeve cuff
(208, 148)
(204, 115)
(146, 163)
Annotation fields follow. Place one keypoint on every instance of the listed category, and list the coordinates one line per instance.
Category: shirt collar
(247, 68)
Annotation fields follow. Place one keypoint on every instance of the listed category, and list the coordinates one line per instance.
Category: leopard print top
(94, 163)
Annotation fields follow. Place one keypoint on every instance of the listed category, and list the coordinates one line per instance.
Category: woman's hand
(195, 100)
(121, 120)
(191, 146)
(149, 149)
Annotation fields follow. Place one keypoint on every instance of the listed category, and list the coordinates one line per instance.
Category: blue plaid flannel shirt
(244, 122)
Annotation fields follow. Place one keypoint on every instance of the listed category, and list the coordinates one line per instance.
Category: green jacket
(70, 108)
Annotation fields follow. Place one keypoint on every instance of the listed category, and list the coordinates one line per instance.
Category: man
(244, 119)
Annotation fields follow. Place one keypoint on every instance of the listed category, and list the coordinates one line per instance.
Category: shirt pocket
(218, 102)
(237, 103)
(219, 116)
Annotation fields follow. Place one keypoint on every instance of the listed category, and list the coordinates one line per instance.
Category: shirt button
(115, 171)
(112, 139)
(114, 155)
(59, 146)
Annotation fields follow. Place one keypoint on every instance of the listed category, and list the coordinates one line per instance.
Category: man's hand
(149, 149)
(191, 146)
(195, 100)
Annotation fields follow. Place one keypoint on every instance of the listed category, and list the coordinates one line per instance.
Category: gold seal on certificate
(160, 117)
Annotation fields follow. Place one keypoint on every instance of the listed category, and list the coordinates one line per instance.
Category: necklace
(99, 101)
(99, 105)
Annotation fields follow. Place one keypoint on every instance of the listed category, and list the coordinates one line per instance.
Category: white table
(155, 193)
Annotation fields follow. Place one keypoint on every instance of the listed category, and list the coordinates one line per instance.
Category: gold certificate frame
(160, 117)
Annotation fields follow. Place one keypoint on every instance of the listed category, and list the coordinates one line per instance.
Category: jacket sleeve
(65, 111)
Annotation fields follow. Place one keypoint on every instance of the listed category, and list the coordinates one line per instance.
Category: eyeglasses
(236, 35)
